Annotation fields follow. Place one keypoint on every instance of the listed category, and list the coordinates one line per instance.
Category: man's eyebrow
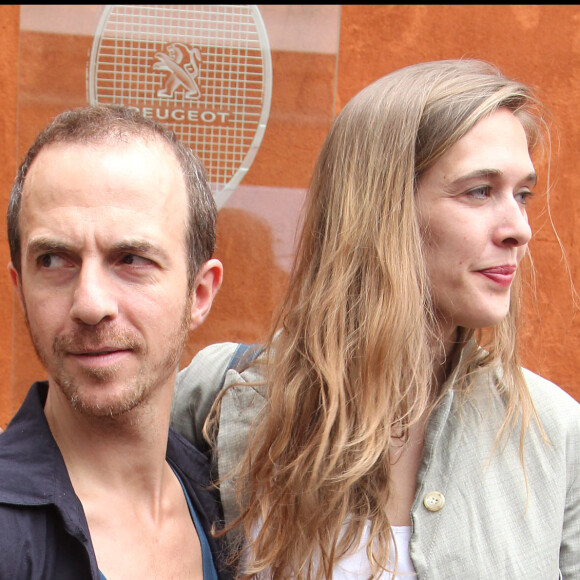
(45, 245)
(138, 246)
(530, 178)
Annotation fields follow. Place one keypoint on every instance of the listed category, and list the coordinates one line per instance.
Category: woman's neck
(444, 353)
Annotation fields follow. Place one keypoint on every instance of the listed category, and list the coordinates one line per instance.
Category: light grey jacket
(487, 528)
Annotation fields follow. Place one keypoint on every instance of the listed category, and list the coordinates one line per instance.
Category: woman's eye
(523, 197)
(479, 192)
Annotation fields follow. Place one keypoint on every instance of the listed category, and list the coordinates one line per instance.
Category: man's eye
(50, 261)
(134, 260)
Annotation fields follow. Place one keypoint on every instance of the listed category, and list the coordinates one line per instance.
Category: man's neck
(135, 507)
(126, 451)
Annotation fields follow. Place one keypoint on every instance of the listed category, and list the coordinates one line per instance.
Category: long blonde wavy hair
(351, 358)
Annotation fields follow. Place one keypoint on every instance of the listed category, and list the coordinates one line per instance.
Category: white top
(356, 565)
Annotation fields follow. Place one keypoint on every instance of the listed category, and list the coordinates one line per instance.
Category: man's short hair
(103, 123)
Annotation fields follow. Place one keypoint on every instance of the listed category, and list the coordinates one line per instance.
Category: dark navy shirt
(43, 530)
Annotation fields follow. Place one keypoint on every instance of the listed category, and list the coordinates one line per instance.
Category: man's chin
(101, 393)
(94, 406)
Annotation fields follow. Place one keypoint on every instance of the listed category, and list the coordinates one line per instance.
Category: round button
(434, 501)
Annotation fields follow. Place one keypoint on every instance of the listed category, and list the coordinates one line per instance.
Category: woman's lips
(501, 275)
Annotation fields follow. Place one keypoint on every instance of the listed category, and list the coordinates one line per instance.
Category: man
(111, 226)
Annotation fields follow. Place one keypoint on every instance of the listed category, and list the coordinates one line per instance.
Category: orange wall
(538, 44)
(9, 24)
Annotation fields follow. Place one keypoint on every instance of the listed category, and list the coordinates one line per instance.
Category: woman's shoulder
(197, 386)
(545, 392)
(209, 364)
(212, 362)
(556, 408)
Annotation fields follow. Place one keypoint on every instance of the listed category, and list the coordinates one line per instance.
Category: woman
(391, 431)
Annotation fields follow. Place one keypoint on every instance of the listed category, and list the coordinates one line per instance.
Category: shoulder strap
(244, 353)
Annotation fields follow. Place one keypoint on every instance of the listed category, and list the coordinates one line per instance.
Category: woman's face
(472, 212)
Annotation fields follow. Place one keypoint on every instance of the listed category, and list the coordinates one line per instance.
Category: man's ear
(15, 277)
(207, 283)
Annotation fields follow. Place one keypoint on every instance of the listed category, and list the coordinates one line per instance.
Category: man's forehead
(117, 182)
(110, 164)
(139, 142)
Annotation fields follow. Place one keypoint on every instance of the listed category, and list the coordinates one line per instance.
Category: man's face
(104, 270)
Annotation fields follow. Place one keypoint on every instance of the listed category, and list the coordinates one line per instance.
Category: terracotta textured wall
(538, 44)
(9, 25)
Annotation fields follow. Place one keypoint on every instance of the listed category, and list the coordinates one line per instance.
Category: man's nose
(95, 297)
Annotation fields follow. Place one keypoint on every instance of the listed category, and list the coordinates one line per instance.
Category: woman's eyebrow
(531, 178)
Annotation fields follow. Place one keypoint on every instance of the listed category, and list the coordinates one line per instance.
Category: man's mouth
(99, 357)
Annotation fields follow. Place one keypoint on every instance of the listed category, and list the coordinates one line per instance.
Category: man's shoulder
(183, 454)
(35, 535)
(30, 462)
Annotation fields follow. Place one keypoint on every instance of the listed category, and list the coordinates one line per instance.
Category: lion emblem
(182, 64)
